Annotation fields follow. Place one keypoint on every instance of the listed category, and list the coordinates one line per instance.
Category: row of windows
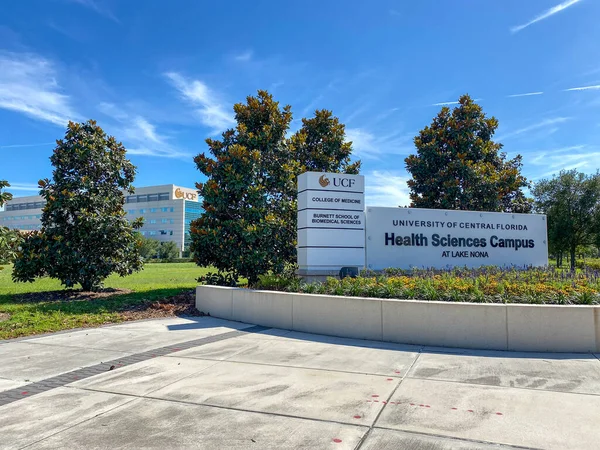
(147, 198)
(159, 232)
(20, 206)
(29, 227)
(152, 210)
(37, 216)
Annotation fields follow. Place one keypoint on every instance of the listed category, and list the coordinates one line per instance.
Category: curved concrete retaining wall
(544, 328)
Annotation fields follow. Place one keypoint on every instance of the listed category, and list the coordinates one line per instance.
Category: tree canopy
(571, 201)
(4, 196)
(84, 235)
(459, 166)
(249, 197)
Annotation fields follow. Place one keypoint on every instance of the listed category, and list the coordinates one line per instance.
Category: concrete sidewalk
(214, 384)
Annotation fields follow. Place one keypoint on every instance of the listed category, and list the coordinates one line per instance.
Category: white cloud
(139, 135)
(212, 112)
(445, 103)
(28, 85)
(548, 13)
(536, 126)
(27, 145)
(527, 94)
(363, 143)
(370, 146)
(244, 57)
(386, 188)
(23, 187)
(98, 8)
(584, 88)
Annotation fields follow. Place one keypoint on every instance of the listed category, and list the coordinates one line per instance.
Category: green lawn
(26, 317)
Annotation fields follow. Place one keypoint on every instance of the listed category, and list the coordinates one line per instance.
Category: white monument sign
(331, 223)
(411, 237)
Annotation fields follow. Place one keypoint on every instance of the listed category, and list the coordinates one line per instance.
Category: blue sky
(162, 76)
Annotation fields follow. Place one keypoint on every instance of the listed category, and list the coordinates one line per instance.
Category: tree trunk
(573, 249)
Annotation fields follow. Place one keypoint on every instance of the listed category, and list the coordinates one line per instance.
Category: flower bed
(482, 285)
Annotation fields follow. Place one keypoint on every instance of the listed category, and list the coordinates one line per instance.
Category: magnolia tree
(459, 166)
(84, 236)
(249, 196)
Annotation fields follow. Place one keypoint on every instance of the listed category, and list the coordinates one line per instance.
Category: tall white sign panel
(331, 223)
(432, 238)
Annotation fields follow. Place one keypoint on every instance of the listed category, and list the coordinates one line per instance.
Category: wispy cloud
(23, 187)
(386, 188)
(367, 145)
(565, 158)
(444, 103)
(536, 126)
(27, 145)
(139, 135)
(244, 57)
(98, 8)
(584, 88)
(527, 94)
(453, 103)
(212, 111)
(548, 13)
(28, 85)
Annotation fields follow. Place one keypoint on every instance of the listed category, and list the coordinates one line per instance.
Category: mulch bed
(68, 295)
(4, 316)
(183, 304)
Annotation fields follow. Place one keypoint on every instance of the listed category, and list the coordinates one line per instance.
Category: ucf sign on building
(336, 229)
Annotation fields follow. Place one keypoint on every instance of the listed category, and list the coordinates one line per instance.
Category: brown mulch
(183, 304)
(69, 295)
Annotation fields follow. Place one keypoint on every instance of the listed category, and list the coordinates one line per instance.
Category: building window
(143, 233)
(164, 209)
(164, 221)
(153, 221)
(131, 211)
(172, 220)
(142, 198)
(152, 197)
(152, 209)
(132, 199)
(172, 209)
(163, 196)
(152, 233)
(142, 211)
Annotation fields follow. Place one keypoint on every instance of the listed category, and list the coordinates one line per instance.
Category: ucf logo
(187, 195)
(337, 181)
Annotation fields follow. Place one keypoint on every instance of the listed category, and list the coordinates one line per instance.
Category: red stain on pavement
(374, 395)
(24, 393)
(390, 379)
(337, 441)
(470, 410)
(499, 414)
(455, 409)
(357, 417)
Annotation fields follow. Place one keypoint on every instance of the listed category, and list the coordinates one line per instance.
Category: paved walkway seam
(31, 389)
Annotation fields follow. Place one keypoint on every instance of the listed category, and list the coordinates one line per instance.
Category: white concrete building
(167, 211)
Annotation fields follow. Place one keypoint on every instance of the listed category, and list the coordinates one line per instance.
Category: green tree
(4, 196)
(459, 166)
(10, 241)
(571, 202)
(249, 197)
(148, 247)
(85, 235)
(168, 251)
(320, 145)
